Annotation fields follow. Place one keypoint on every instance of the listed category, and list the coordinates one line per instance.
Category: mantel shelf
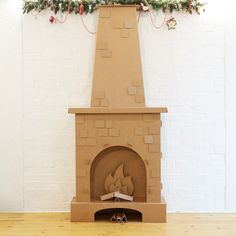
(92, 110)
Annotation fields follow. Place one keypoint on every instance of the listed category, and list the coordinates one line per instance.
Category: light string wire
(66, 16)
(94, 32)
(85, 26)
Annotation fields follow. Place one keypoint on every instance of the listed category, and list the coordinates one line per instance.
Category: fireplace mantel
(136, 110)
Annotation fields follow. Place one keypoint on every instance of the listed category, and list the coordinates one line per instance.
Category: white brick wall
(230, 52)
(183, 70)
(11, 145)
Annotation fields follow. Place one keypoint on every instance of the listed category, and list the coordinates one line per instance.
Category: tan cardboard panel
(106, 53)
(128, 24)
(131, 110)
(83, 133)
(81, 172)
(81, 142)
(80, 119)
(85, 190)
(156, 117)
(102, 46)
(95, 102)
(104, 103)
(154, 194)
(130, 143)
(104, 13)
(109, 123)
(146, 111)
(91, 141)
(139, 98)
(154, 173)
(153, 148)
(124, 33)
(155, 182)
(148, 139)
(157, 139)
(148, 117)
(136, 82)
(154, 190)
(151, 212)
(105, 142)
(100, 123)
(98, 94)
(114, 132)
(153, 130)
(102, 132)
(132, 90)
(154, 160)
(117, 24)
(138, 130)
(114, 75)
(88, 162)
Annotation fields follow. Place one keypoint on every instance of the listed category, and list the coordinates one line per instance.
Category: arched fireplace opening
(118, 169)
(119, 215)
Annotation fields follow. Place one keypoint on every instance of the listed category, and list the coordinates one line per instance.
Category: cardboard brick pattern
(116, 35)
(118, 128)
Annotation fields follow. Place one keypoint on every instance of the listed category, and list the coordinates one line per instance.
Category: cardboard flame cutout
(119, 183)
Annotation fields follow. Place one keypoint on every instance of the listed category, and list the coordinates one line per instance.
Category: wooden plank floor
(58, 224)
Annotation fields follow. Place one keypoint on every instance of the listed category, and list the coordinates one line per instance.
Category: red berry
(52, 19)
(81, 9)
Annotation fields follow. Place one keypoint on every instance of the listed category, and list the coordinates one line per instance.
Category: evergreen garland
(91, 5)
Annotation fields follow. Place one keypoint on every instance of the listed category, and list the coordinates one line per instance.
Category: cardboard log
(113, 217)
(123, 217)
(116, 195)
(119, 217)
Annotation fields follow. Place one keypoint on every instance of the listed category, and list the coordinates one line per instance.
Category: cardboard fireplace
(118, 138)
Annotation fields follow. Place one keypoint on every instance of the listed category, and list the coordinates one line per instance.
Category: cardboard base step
(150, 211)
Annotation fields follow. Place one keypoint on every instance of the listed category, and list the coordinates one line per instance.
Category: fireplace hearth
(118, 139)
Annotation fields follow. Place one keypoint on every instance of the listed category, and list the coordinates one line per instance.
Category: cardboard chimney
(118, 139)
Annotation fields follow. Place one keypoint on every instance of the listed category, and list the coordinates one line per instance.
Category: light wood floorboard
(50, 224)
